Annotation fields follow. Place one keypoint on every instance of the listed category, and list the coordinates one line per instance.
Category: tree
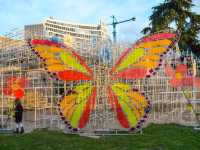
(177, 13)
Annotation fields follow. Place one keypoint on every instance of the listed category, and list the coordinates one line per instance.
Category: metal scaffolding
(43, 92)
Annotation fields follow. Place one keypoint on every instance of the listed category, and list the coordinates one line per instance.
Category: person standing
(18, 116)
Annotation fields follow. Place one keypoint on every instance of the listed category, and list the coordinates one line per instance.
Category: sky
(17, 13)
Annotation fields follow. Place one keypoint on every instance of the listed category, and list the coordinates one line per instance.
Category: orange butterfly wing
(66, 65)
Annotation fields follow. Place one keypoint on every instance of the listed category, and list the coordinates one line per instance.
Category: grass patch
(154, 137)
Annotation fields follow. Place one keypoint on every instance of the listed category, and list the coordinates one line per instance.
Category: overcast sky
(17, 13)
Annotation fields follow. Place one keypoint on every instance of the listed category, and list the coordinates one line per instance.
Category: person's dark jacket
(18, 112)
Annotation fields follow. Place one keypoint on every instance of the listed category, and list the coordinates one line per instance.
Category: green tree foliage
(178, 14)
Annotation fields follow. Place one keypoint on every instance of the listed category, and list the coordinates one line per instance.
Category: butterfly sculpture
(15, 87)
(180, 77)
(129, 105)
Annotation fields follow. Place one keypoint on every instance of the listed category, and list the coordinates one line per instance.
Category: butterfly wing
(75, 107)
(131, 106)
(64, 63)
(61, 61)
(15, 87)
(138, 62)
(144, 58)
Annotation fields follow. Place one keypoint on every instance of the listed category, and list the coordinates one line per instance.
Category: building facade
(77, 35)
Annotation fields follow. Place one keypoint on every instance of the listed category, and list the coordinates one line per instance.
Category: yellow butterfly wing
(131, 106)
(138, 62)
(144, 58)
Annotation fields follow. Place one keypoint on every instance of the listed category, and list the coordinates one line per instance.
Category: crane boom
(118, 22)
(115, 22)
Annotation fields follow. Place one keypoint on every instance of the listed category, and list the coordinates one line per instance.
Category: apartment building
(81, 36)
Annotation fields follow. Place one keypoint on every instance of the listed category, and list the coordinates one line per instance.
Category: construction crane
(114, 24)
